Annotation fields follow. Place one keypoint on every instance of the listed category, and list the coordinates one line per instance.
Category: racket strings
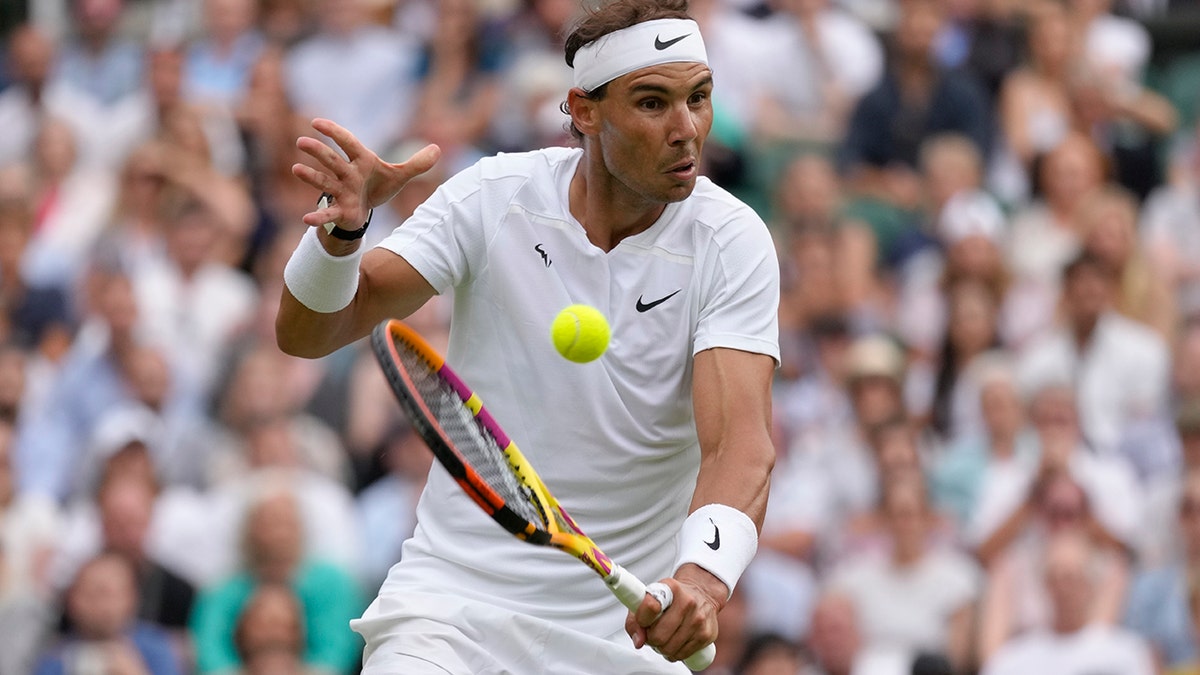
(478, 448)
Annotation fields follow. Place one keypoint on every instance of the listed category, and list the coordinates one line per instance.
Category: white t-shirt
(614, 439)
(908, 610)
(1095, 650)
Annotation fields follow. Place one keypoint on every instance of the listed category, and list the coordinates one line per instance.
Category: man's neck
(608, 211)
(1003, 445)
(1083, 330)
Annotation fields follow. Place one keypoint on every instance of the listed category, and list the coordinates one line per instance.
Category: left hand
(689, 624)
(358, 182)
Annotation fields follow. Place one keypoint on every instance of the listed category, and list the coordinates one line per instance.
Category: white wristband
(321, 281)
(719, 538)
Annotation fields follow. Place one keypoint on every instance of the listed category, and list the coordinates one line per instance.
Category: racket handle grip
(631, 591)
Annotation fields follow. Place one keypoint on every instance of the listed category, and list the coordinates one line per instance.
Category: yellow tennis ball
(580, 333)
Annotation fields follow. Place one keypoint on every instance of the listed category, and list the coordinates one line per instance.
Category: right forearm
(331, 300)
(321, 282)
(299, 331)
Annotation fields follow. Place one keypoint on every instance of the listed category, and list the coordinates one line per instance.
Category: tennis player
(660, 449)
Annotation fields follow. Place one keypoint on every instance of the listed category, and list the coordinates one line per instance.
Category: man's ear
(584, 114)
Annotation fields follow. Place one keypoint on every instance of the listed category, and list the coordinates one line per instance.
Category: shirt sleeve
(740, 301)
(444, 239)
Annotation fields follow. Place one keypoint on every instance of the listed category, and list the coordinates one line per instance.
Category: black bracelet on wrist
(338, 232)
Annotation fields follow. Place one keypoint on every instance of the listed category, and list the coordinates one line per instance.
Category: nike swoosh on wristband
(660, 44)
(644, 306)
(716, 542)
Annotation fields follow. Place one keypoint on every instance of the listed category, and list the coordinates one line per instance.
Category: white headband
(641, 45)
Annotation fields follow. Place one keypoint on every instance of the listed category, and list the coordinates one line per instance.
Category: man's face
(1088, 292)
(652, 127)
(103, 599)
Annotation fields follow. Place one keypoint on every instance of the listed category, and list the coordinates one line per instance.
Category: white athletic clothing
(1093, 650)
(614, 439)
(428, 634)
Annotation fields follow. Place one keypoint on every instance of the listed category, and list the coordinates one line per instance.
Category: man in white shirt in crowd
(1072, 646)
(1118, 366)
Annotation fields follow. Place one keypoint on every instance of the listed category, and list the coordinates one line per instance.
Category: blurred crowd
(987, 417)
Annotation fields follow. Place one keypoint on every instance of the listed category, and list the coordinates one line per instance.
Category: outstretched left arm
(731, 393)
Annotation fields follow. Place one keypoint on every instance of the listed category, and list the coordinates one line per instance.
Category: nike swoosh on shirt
(644, 306)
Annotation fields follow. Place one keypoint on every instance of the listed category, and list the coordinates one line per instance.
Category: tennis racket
(487, 465)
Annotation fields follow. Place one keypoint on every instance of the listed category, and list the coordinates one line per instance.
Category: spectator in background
(1119, 366)
(770, 654)
(914, 598)
(1034, 106)
(1072, 644)
(808, 222)
(830, 470)
(1162, 605)
(835, 642)
(71, 205)
(1009, 501)
(995, 452)
(101, 605)
(33, 95)
(971, 234)
(192, 302)
(1117, 48)
(134, 232)
(1168, 229)
(270, 633)
(124, 458)
(199, 137)
(1014, 599)
(217, 66)
(1160, 544)
(269, 125)
(97, 59)
(38, 315)
(831, 59)
(1108, 228)
(29, 527)
(273, 551)
(534, 75)
(460, 89)
(915, 100)
(1127, 120)
(387, 507)
(972, 333)
(126, 511)
(985, 38)
(93, 379)
(1044, 236)
(271, 450)
(363, 75)
(264, 385)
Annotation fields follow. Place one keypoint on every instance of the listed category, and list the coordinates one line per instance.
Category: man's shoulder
(520, 163)
(715, 206)
(536, 168)
(1132, 334)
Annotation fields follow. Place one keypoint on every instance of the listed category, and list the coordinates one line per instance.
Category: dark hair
(1086, 260)
(610, 17)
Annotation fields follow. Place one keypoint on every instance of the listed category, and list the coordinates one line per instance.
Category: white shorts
(429, 634)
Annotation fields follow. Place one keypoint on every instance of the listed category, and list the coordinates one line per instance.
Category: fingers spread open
(324, 154)
(317, 179)
(342, 136)
(422, 160)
